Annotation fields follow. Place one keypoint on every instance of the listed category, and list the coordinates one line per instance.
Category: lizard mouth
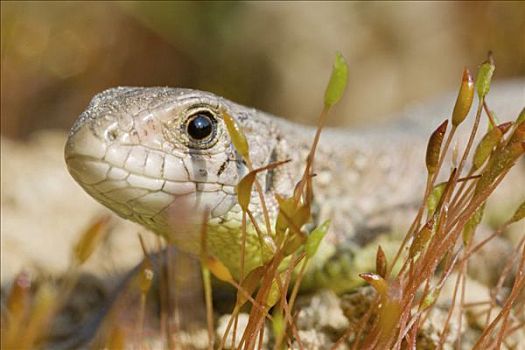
(130, 193)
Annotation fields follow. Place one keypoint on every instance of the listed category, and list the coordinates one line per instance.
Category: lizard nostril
(111, 134)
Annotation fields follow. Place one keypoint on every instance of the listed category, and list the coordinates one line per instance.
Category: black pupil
(200, 126)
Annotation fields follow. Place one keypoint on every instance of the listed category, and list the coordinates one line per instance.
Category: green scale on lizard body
(161, 156)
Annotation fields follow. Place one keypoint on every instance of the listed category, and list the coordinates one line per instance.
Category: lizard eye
(201, 128)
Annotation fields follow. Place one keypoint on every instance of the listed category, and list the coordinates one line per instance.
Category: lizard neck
(359, 173)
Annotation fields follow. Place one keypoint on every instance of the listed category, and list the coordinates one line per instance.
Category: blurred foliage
(274, 56)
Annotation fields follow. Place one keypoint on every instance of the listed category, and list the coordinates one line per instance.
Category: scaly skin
(131, 150)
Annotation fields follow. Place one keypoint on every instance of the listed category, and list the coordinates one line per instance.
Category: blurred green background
(275, 56)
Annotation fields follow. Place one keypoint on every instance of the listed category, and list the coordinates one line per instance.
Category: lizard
(159, 153)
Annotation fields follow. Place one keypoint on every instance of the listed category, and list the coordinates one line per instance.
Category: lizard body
(159, 156)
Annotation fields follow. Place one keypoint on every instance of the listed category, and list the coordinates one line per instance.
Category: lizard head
(144, 152)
